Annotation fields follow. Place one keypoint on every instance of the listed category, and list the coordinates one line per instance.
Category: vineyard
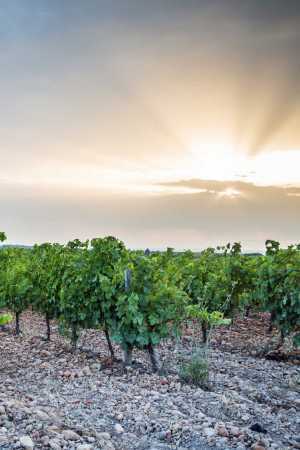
(137, 299)
(151, 304)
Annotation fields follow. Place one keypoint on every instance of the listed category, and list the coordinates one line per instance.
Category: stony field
(52, 398)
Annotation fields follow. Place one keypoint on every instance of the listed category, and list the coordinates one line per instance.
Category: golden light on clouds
(206, 162)
(230, 193)
(167, 123)
(221, 161)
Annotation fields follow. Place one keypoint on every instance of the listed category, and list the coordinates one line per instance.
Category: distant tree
(2, 236)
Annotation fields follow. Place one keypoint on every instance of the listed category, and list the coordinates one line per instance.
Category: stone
(222, 430)
(245, 417)
(96, 366)
(86, 371)
(26, 442)
(258, 428)
(258, 446)
(54, 444)
(118, 428)
(235, 431)
(104, 436)
(162, 415)
(70, 435)
(209, 432)
(41, 415)
(45, 440)
(67, 374)
(4, 440)
(45, 365)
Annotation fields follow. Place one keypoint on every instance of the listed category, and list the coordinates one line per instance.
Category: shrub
(195, 370)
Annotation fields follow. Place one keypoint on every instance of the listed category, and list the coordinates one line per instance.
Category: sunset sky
(163, 122)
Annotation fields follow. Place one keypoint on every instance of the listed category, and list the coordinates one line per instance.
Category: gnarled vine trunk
(204, 332)
(271, 324)
(127, 356)
(111, 349)
(74, 338)
(154, 358)
(48, 328)
(17, 330)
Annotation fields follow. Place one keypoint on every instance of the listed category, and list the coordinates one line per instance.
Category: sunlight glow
(230, 193)
(205, 160)
(219, 161)
(216, 160)
(277, 168)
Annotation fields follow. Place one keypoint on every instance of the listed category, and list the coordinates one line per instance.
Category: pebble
(221, 430)
(65, 401)
(54, 444)
(209, 432)
(26, 442)
(41, 415)
(118, 428)
(70, 435)
(104, 436)
(258, 446)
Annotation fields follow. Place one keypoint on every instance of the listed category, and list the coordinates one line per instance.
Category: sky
(163, 122)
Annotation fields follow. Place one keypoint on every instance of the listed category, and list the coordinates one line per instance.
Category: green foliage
(154, 306)
(77, 304)
(206, 319)
(272, 247)
(47, 265)
(214, 318)
(278, 288)
(5, 319)
(92, 279)
(107, 259)
(2, 236)
(81, 284)
(16, 284)
(219, 281)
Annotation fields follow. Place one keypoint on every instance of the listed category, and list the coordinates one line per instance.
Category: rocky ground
(51, 398)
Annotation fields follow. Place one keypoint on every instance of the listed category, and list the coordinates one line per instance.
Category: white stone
(209, 432)
(103, 435)
(26, 442)
(119, 429)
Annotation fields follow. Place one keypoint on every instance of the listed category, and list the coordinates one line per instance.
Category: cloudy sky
(164, 122)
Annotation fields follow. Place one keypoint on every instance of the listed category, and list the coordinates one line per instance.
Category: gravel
(51, 398)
